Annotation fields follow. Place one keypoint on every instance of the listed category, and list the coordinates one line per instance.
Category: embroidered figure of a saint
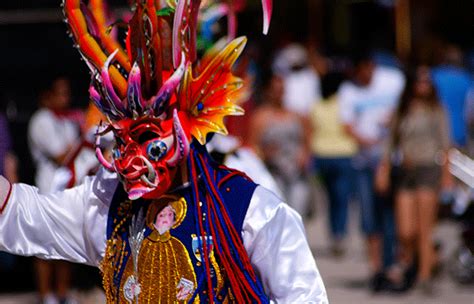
(165, 270)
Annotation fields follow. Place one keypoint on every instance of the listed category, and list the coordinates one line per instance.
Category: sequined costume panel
(169, 266)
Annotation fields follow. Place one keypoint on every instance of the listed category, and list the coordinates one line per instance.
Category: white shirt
(49, 136)
(368, 109)
(302, 90)
(71, 225)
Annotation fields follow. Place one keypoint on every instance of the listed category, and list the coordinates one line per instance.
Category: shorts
(419, 177)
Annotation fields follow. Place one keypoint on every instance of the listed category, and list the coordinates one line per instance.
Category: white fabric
(245, 160)
(368, 109)
(275, 241)
(292, 55)
(49, 137)
(71, 225)
(4, 189)
(302, 90)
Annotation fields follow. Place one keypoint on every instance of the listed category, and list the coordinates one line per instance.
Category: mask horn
(181, 142)
(100, 156)
(160, 100)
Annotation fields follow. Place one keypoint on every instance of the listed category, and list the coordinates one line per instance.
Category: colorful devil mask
(154, 92)
(147, 154)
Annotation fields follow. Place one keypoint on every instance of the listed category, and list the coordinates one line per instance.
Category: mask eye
(156, 150)
(147, 136)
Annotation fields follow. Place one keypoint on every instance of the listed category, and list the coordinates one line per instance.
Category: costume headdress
(157, 76)
(139, 79)
(157, 97)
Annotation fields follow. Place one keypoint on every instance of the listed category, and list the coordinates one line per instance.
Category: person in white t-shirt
(52, 135)
(301, 80)
(366, 106)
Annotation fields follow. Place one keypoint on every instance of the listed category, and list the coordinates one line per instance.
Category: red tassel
(205, 253)
(227, 257)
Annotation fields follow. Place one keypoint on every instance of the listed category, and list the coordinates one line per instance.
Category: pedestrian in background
(333, 150)
(281, 139)
(53, 135)
(452, 82)
(419, 145)
(367, 103)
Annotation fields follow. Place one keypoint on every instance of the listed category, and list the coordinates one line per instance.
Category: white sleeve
(68, 225)
(346, 107)
(50, 145)
(275, 240)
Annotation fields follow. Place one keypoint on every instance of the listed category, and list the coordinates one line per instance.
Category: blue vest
(236, 191)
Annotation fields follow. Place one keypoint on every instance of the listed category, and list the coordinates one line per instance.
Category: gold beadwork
(163, 260)
(112, 261)
(220, 280)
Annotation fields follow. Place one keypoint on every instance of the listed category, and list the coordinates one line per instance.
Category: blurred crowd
(375, 133)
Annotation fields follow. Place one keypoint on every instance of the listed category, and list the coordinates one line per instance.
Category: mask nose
(135, 168)
(132, 149)
(130, 163)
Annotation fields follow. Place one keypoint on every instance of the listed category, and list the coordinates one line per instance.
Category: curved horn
(267, 14)
(134, 96)
(167, 89)
(181, 142)
(108, 86)
(100, 156)
(89, 47)
(178, 24)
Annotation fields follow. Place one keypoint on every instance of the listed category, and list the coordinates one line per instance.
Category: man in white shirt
(367, 104)
(302, 86)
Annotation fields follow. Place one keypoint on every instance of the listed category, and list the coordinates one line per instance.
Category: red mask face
(147, 154)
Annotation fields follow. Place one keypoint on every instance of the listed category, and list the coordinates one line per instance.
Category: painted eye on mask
(156, 150)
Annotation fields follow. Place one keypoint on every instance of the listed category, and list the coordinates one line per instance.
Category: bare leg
(63, 277)
(374, 247)
(427, 209)
(406, 226)
(43, 277)
(406, 219)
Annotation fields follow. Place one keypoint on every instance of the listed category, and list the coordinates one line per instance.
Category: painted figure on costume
(164, 220)
(180, 227)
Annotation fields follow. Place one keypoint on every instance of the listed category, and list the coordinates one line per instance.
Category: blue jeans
(377, 217)
(337, 175)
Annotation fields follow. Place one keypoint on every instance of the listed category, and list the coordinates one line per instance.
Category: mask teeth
(150, 179)
(144, 179)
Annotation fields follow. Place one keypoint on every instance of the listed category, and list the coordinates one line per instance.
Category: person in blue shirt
(452, 83)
